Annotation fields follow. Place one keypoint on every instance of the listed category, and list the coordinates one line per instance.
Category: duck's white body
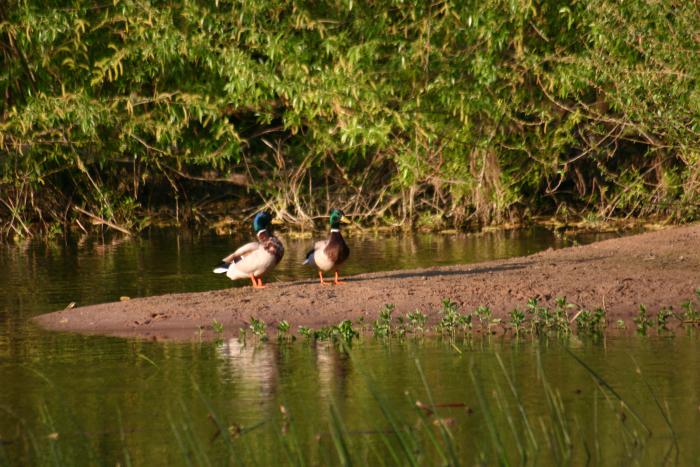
(329, 254)
(253, 259)
(319, 258)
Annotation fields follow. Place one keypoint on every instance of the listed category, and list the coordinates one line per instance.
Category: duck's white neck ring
(335, 230)
(261, 231)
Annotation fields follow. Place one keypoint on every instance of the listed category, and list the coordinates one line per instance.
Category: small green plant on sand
(306, 332)
(540, 316)
(642, 320)
(259, 328)
(417, 320)
(466, 321)
(583, 320)
(283, 327)
(450, 318)
(217, 327)
(561, 315)
(345, 331)
(382, 325)
(517, 318)
(283, 331)
(690, 314)
(484, 313)
(342, 331)
(599, 320)
(662, 318)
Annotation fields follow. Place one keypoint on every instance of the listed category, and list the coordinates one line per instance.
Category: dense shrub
(451, 113)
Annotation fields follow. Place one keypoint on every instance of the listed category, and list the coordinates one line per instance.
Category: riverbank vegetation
(535, 320)
(440, 114)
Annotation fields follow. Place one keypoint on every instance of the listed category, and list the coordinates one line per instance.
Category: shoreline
(657, 269)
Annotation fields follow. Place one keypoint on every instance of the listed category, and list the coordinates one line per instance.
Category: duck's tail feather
(310, 257)
(221, 268)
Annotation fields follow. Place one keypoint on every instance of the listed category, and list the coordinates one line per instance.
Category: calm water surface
(76, 400)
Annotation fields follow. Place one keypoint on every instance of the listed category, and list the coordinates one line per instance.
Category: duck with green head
(255, 258)
(331, 253)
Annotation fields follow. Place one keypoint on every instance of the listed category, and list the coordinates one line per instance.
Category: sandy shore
(656, 269)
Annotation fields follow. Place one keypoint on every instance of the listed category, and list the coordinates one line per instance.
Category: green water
(76, 400)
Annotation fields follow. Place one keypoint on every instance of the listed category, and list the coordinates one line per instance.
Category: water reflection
(253, 368)
(333, 368)
(86, 388)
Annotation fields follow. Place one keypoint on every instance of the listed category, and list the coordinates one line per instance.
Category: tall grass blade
(339, 435)
(122, 439)
(221, 427)
(518, 402)
(54, 450)
(607, 386)
(666, 415)
(429, 432)
(406, 440)
(446, 435)
(488, 418)
(179, 441)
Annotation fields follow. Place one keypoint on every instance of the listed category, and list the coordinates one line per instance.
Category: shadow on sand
(453, 271)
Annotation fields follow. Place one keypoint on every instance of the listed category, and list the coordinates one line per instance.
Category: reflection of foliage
(474, 111)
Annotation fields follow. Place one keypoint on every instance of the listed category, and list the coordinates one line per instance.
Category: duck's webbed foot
(337, 281)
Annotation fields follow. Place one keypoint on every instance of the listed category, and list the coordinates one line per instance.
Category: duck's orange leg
(257, 283)
(320, 276)
(337, 281)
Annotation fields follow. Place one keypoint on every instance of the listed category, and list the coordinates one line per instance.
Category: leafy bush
(476, 112)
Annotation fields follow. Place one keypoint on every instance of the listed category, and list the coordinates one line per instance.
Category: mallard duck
(255, 258)
(329, 254)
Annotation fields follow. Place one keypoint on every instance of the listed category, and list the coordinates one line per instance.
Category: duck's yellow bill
(345, 220)
(276, 221)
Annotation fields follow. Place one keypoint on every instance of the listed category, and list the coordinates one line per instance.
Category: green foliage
(690, 314)
(517, 317)
(283, 332)
(450, 318)
(306, 332)
(341, 332)
(283, 327)
(258, 328)
(488, 111)
(382, 325)
(346, 332)
(484, 314)
(642, 320)
(417, 320)
(217, 327)
(591, 322)
(662, 318)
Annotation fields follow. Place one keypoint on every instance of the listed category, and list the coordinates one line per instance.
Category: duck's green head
(261, 221)
(337, 216)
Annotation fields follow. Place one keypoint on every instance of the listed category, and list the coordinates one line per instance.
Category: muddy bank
(657, 269)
